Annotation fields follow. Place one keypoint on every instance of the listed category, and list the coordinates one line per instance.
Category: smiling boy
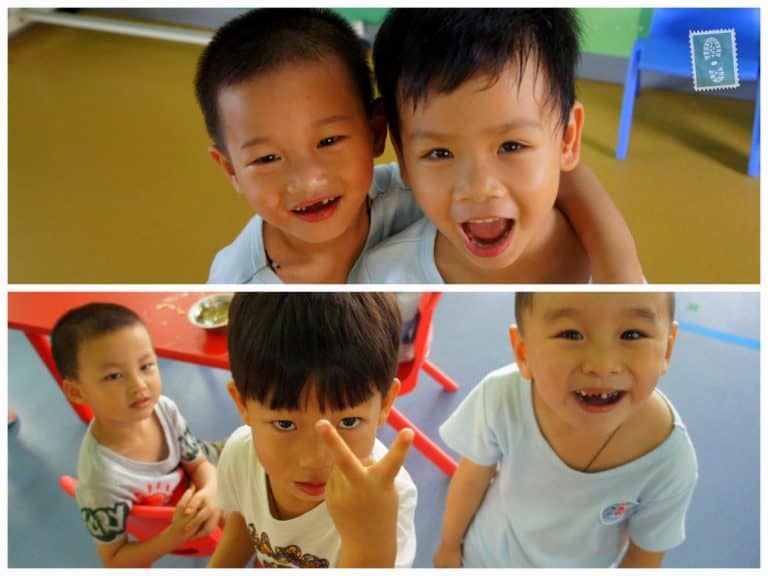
(482, 111)
(576, 459)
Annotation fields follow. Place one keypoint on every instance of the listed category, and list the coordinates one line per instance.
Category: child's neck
(643, 431)
(553, 255)
(143, 440)
(327, 262)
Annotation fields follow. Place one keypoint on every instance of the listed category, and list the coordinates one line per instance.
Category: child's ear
(223, 162)
(670, 344)
(520, 351)
(571, 151)
(72, 391)
(389, 400)
(238, 400)
(378, 127)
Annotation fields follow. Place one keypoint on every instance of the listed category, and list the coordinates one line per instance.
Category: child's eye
(113, 376)
(508, 147)
(266, 159)
(284, 425)
(330, 141)
(570, 335)
(437, 154)
(147, 367)
(632, 335)
(350, 422)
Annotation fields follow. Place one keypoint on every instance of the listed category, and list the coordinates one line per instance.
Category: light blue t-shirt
(539, 512)
(393, 208)
(405, 258)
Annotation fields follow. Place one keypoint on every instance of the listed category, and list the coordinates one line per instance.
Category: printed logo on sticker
(617, 512)
(714, 59)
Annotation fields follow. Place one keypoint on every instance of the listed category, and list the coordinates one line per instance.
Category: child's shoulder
(657, 425)
(244, 260)
(407, 257)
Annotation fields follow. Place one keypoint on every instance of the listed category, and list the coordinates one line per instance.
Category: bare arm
(637, 557)
(600, 227)
(235, 548)
(126, 554)
(465, 493)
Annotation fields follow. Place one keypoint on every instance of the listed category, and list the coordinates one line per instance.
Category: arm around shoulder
(599, 226)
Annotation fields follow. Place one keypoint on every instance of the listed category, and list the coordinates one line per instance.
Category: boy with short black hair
(138, 448)
(305, 483)
(577, 459)
(482, 111)
(287, 100)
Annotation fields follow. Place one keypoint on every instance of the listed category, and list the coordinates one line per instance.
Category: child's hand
(201, 512)
(448, 556)
(181, 518)
(361, 497)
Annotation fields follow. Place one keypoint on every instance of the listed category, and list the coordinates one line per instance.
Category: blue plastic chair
(666, 50)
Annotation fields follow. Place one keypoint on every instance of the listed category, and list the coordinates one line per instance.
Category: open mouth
(317, 210)
(599, 398)
(487, 237)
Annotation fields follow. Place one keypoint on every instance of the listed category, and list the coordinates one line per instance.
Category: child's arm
(465, 493)
(600, 227)
(126, 554)
(363, 501)
(202, 506)
(637, 557)
(235, 548)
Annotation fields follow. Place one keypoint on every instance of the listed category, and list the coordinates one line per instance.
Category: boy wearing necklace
(577, 460)
(305, 483)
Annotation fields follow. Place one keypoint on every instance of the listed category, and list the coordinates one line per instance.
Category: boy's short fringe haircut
(262, 41)
(342, 345)
(86, 323)
(418, 51)
(524, 304)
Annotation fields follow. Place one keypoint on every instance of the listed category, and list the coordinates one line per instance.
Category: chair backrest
(667, 22)
(408, 372)
(145, 522)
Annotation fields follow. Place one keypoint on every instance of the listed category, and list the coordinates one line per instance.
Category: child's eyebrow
(642, 312)
(554, 314)
(333, 119)
(495, 129)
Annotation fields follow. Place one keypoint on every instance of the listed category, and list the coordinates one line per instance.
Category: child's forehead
(523, 85)
(548, 307)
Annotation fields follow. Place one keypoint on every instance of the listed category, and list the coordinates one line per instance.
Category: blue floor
(713, 382)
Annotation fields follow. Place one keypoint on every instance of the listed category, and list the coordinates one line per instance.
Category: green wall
(610, 31)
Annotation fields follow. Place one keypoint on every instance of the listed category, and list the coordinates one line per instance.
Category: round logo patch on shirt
(617, 512)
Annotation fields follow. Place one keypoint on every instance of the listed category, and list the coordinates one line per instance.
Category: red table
(164, 313)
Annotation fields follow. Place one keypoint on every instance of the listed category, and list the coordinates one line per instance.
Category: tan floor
(109, 179)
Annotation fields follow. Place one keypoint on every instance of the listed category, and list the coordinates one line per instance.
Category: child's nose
(313, 453)
(307, 175)
(138, 383)
(478, 182)
(602, 361)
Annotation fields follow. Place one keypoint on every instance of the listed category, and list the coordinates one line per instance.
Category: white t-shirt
(539, 512)
(109, 484)
(309, 540)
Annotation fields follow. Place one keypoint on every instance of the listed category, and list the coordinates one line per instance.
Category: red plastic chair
(408, 374)
(144, 522)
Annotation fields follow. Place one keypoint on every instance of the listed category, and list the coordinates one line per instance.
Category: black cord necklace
(600, 451)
